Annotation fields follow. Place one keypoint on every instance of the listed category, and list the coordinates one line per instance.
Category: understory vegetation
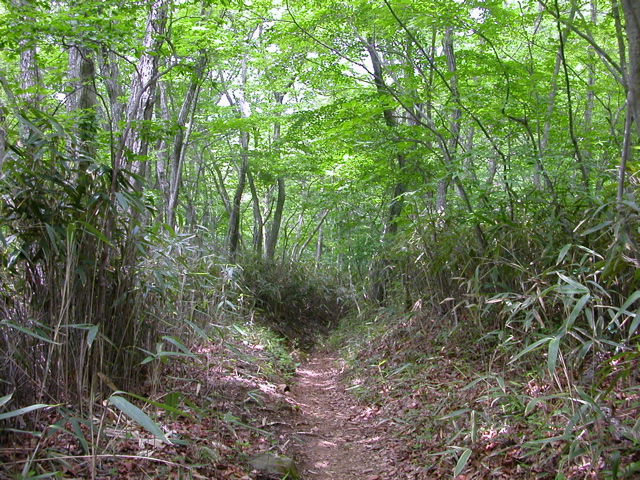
(196, 194)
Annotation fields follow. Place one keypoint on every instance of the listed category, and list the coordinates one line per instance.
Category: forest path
(342, 438)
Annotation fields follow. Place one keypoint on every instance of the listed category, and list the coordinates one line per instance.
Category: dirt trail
(342, 438)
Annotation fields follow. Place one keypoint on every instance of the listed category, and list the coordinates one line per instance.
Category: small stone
(273, 464)
(283, 388)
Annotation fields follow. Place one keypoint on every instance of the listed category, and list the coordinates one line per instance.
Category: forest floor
(344, 438)
(405, 406)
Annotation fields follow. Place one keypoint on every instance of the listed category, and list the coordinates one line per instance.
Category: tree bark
(631, 9)
(274, 231)
(258, 223)
(29, 70)
(233, 231)
(272, 237)
(396, 204)
(143, 86)
(110, 74)
(181, 139)
(82, 104)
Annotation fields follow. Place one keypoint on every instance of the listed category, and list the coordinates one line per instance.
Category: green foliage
(138, 416)
(293, 300)
(456, 159)
(20, 411)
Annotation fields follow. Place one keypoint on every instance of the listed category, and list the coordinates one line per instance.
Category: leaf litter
(408, 405)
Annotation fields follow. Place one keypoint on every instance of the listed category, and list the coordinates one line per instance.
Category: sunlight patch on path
(341, 442)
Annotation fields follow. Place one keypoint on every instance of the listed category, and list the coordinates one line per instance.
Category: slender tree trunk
(450, 150)
(233, 232)
(319, 246)
(258, 223)
(219, 181)
(305, 244)
(591, 68)
(274, 231)
(143, 86)
(29, 70)
(82, 104)
(162, 162)
(181, 139)
(272, 237)
(378, 271)
(454, 122)
(3, 134)
(110, 74)
(396, 204)
(572, 131)
(29, 74)
(631, 9)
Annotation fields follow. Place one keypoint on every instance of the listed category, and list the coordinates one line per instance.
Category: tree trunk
(233, 232)
(143, 86)
(378, 272)
(29, 70)
(81, 103)
(631, 9)
(396, 204)
(181, 139)
(162, 161)
(274, 231)
(258, 223)
(272, 237)
(450, 150)
(299, 251)
(3, 133)
(110, 74)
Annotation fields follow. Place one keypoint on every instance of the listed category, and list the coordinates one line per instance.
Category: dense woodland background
(168, 168)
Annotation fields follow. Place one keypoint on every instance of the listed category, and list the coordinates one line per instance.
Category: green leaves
(138, 416)
(162, 354)
(462, 461)
(20, 411)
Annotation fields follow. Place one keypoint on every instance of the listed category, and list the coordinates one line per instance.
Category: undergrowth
(298, 302)
(465, 403)
(199, 421)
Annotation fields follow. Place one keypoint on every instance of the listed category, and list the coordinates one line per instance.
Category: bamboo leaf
(462, 462)
(577, 309)
(634, 325)
(454, 414)
(92, 332)
(558, 438)
(77, 431)
(95, 232)
(563, 253)
(198, 330)
(625, 306)
(530, 348)
(29, 332)
(179, 346)
(22, 411)
(554, 346)
(597, 227)
(138, 416)
(4, 400)
(174, 396)
(530, 406)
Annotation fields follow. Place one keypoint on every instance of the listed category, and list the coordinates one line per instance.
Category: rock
(283, 388)
(278, 465)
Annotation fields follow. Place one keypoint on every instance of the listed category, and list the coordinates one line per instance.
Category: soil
(340, 437)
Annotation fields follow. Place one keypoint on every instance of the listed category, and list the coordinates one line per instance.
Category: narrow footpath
(342, 439)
